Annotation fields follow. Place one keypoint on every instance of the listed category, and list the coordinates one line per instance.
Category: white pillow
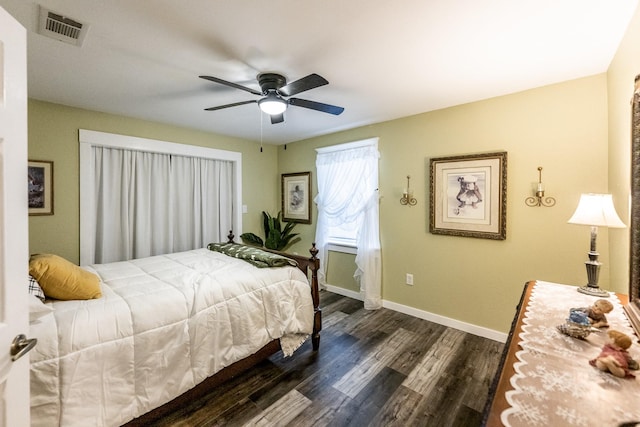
(37, 308)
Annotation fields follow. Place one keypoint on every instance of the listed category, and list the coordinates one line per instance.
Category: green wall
(53, 135)
(340, 269)
(562, 128)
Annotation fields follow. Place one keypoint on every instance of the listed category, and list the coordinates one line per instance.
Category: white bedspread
(163, 325)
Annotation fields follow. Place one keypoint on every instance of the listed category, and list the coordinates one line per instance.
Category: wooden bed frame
(309, 266)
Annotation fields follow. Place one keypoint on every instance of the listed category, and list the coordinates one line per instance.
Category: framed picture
(469, 195)
(296, 197)
(40, 185)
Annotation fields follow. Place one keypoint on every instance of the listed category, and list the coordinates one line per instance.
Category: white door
(14, 246)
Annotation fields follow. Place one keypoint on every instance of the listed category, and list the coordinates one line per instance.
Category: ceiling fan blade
(319, 106)
(277, 118)
(235, 104)
(310, 82)
(230, 84)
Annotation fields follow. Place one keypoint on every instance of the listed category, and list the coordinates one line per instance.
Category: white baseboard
(421, 314)
(342, 291)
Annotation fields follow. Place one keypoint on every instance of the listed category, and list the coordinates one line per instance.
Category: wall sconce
(539, 199)
(407, 195)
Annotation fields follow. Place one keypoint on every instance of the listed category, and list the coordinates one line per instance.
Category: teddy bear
(596, 313)
(614, 357)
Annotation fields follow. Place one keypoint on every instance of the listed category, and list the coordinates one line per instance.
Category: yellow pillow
(63, 280)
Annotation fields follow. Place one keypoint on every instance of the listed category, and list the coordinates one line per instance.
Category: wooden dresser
(497, 401)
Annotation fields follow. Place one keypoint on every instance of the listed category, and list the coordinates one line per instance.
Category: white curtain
(202, 191)
(149, 204)
(348, 193)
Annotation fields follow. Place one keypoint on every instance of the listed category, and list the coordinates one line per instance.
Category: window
(343, 235)
(348, 215)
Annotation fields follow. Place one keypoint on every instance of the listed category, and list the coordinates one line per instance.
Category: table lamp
(595, 210)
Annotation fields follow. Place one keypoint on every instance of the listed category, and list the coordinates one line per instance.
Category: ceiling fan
(276, 95)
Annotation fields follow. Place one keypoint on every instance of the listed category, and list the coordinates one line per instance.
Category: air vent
(59, 27)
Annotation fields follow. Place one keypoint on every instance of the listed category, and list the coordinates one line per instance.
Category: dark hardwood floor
(374, 368)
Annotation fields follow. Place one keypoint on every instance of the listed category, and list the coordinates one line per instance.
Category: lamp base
(593, 291)
(593, 271)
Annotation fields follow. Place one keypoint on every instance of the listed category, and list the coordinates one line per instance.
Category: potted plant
(277, 237)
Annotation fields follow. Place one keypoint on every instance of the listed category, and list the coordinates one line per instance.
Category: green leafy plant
(277, 237)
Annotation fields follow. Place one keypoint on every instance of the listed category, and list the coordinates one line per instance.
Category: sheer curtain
(348, 193)
(147, 204)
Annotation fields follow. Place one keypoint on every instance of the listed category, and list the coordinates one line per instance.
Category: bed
(165, 329)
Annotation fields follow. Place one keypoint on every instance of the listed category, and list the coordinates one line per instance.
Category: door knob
(21, 345)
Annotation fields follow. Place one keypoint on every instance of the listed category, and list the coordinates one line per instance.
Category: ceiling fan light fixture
(272, 104)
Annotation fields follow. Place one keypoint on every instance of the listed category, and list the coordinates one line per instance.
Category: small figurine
(577, 325)
(582, 320)
(577, 315)
(614, 357)
(596, 313)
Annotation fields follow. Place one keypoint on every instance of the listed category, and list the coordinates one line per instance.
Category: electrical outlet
(409, 280)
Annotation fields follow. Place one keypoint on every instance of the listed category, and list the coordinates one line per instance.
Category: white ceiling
(383, 59)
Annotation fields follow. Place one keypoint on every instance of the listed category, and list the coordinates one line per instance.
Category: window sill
(345, 248)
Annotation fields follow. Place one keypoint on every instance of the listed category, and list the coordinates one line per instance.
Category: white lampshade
(596, 210)
(272, 104)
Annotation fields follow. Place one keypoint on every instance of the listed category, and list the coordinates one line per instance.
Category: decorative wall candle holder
(539, 199)
(407, 195)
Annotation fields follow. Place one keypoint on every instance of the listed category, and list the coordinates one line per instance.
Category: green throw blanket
(252, 254)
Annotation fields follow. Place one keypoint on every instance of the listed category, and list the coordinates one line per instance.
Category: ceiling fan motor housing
(270, 82)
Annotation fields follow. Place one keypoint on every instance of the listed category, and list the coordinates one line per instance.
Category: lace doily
(554, 385)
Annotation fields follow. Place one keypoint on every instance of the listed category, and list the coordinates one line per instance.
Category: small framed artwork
(40, 184)
(469, 195)
(296, 197)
